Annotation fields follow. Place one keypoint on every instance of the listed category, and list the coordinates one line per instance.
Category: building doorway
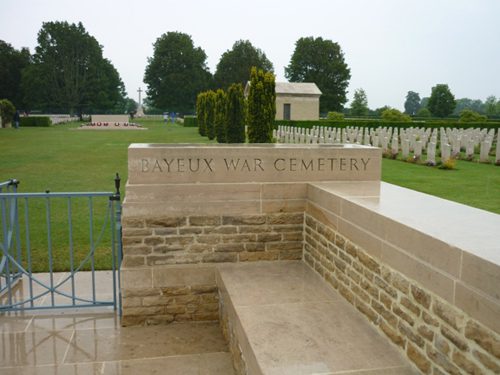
(287, 111)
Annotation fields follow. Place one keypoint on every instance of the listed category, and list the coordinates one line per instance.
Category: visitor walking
(16, 119)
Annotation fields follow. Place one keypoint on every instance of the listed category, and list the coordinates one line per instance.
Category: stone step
(286, 320)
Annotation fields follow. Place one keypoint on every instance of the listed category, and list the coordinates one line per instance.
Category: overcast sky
(391, 46)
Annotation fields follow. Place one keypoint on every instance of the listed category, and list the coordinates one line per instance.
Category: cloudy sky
(391, 46)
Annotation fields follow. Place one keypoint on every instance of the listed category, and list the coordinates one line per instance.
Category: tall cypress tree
(220, 116)
(200, 113)
(235, 114)
(210, 114)
(261, 106)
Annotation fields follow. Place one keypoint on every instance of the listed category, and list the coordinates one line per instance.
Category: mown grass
(471, 183)
(61, 158)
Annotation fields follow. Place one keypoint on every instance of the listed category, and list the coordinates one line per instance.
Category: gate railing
(23, 286)
(8, 277)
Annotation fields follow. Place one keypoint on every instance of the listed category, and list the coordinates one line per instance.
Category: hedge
(379, 123)
(40, 121)
(190, 121)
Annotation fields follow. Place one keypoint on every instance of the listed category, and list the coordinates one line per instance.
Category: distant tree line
(178, 71)
(67, 73)
(441, 103)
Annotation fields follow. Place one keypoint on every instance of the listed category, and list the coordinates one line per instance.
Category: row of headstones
(451, 140)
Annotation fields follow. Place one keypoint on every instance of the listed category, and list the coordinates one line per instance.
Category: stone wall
(229, 324)
(168, 294)
(110, 118)
(212, 239)
(301, 107)
(436, 336)
(168, 272)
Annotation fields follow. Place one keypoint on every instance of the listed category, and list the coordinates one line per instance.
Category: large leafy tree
(235, 64)
(412, 103)
(176, 73)
(69, 72)
(12, 63)
(321, 61)
(359, 105)
(491, 105)
(475, 105)
(442, 102)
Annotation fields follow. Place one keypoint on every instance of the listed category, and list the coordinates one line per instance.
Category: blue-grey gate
(48, 239)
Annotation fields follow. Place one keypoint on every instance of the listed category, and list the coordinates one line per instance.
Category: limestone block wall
(195, 206)
(401, 289)
(212, 239)
(301, 107)
(163, 295)
(168, 272)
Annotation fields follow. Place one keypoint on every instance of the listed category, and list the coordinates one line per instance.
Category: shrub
(392, 114)
(448, 164)
(468, 115)
(40, 121)
(7, 111)
(235, 114)
(335, 116)
(190, 121)
(424, 112)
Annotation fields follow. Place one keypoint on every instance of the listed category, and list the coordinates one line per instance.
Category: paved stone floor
(84, 341)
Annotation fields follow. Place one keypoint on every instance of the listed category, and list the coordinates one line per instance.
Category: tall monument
(140, 112)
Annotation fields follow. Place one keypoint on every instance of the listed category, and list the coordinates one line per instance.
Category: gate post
(117, 242)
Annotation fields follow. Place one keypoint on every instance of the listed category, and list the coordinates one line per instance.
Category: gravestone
(431, 153)
(497, 154)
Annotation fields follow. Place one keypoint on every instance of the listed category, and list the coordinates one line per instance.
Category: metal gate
(47, 242)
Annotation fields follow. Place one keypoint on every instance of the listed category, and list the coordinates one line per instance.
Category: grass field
(61, 158)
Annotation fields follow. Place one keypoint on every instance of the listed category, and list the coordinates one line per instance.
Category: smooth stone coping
(466, 228)
(241, 163)
(287, 320)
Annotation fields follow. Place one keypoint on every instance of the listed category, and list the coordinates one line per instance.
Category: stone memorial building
(295, 100)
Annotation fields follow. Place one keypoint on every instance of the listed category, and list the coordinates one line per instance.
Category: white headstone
(497, 157)
(394, 145)
(445, 152)
(484, 152)
(405, 148)
(417, 151)
(431, 153)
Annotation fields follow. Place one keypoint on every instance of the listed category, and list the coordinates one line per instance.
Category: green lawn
(63, 159)
(471, 183)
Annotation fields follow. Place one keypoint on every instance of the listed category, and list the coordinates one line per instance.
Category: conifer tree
(210, 114)
(200, 113)
(235, 114)
(261, 106)
(220, 116)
